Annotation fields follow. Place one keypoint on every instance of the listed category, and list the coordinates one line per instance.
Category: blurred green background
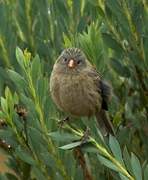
(114, 36)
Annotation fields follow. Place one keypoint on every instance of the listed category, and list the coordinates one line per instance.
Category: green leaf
(107, 163)
(36, 68)
(136, 167)
(78, 173)
(11, 176)
(20, 57)
(7, 93)
(138, 20)
(114, 5)
(93, 2)
(3, 177)
(48, 159)
(37, 173)
(71, 145)
(127, 160)
(123, 177)
(112, 43)
(3, 74)
(18, 122)
(115, 148)
(42, 88)
(91, 43)
(8, 136)
(100, 135)
(2, 115)
(36, 140)
(121, 69)
(146, 172)
(18, 80)
(15, 98)
(9, 100)
(62, 137)
(28, 103)
(67, 41)
(89, 148)
(116, 15)
(4, 105)
(24, 155)
(5, 133)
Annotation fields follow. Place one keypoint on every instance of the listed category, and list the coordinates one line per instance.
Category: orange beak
(71, 63)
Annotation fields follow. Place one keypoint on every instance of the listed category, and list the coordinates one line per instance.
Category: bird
(78, 89)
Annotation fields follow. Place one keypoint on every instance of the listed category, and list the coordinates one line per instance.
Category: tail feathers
(105, 123)
(106, 93)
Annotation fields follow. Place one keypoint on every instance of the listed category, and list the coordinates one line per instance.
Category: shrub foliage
(114, 36)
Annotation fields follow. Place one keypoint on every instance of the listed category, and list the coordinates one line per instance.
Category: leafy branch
(112, 160)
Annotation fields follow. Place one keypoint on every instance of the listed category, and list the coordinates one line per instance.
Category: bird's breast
(76, 94)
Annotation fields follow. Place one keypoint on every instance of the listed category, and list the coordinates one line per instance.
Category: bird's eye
(65, 59)
(79, 62)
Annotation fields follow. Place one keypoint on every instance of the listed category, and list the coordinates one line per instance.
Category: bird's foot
(85, 136)
(63, 121)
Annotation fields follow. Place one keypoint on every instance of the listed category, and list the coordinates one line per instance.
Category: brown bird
(78, 89)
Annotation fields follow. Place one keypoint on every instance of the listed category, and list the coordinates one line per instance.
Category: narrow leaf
(136, 167)
(4, 105)
(71, 146)
(36, 68)
(107, 163)
(127, 160)
(115, 148)
(17, 79)
(20, 57)
(24, 155)
(123, 177)
(146, 172)
(112, 43)
(121, 69)
(62, 137)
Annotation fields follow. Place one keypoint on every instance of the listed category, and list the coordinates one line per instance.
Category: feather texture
(80, 91)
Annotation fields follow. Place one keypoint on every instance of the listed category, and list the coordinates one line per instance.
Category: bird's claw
(85, 136)
(63, 121)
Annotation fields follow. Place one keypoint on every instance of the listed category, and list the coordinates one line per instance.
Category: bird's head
(71, 60)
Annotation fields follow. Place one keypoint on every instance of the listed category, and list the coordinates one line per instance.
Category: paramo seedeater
(78, 89)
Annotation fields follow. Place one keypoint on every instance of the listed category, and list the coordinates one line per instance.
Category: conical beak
(71, 63)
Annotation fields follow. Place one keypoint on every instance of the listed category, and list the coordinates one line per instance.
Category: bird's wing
(103, 87)
(106, 93)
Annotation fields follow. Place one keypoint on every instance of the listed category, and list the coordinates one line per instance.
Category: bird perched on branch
(78, 89)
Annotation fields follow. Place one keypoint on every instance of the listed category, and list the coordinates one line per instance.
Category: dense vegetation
(114, 36)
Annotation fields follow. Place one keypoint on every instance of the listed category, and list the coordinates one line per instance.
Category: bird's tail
(105, 123)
